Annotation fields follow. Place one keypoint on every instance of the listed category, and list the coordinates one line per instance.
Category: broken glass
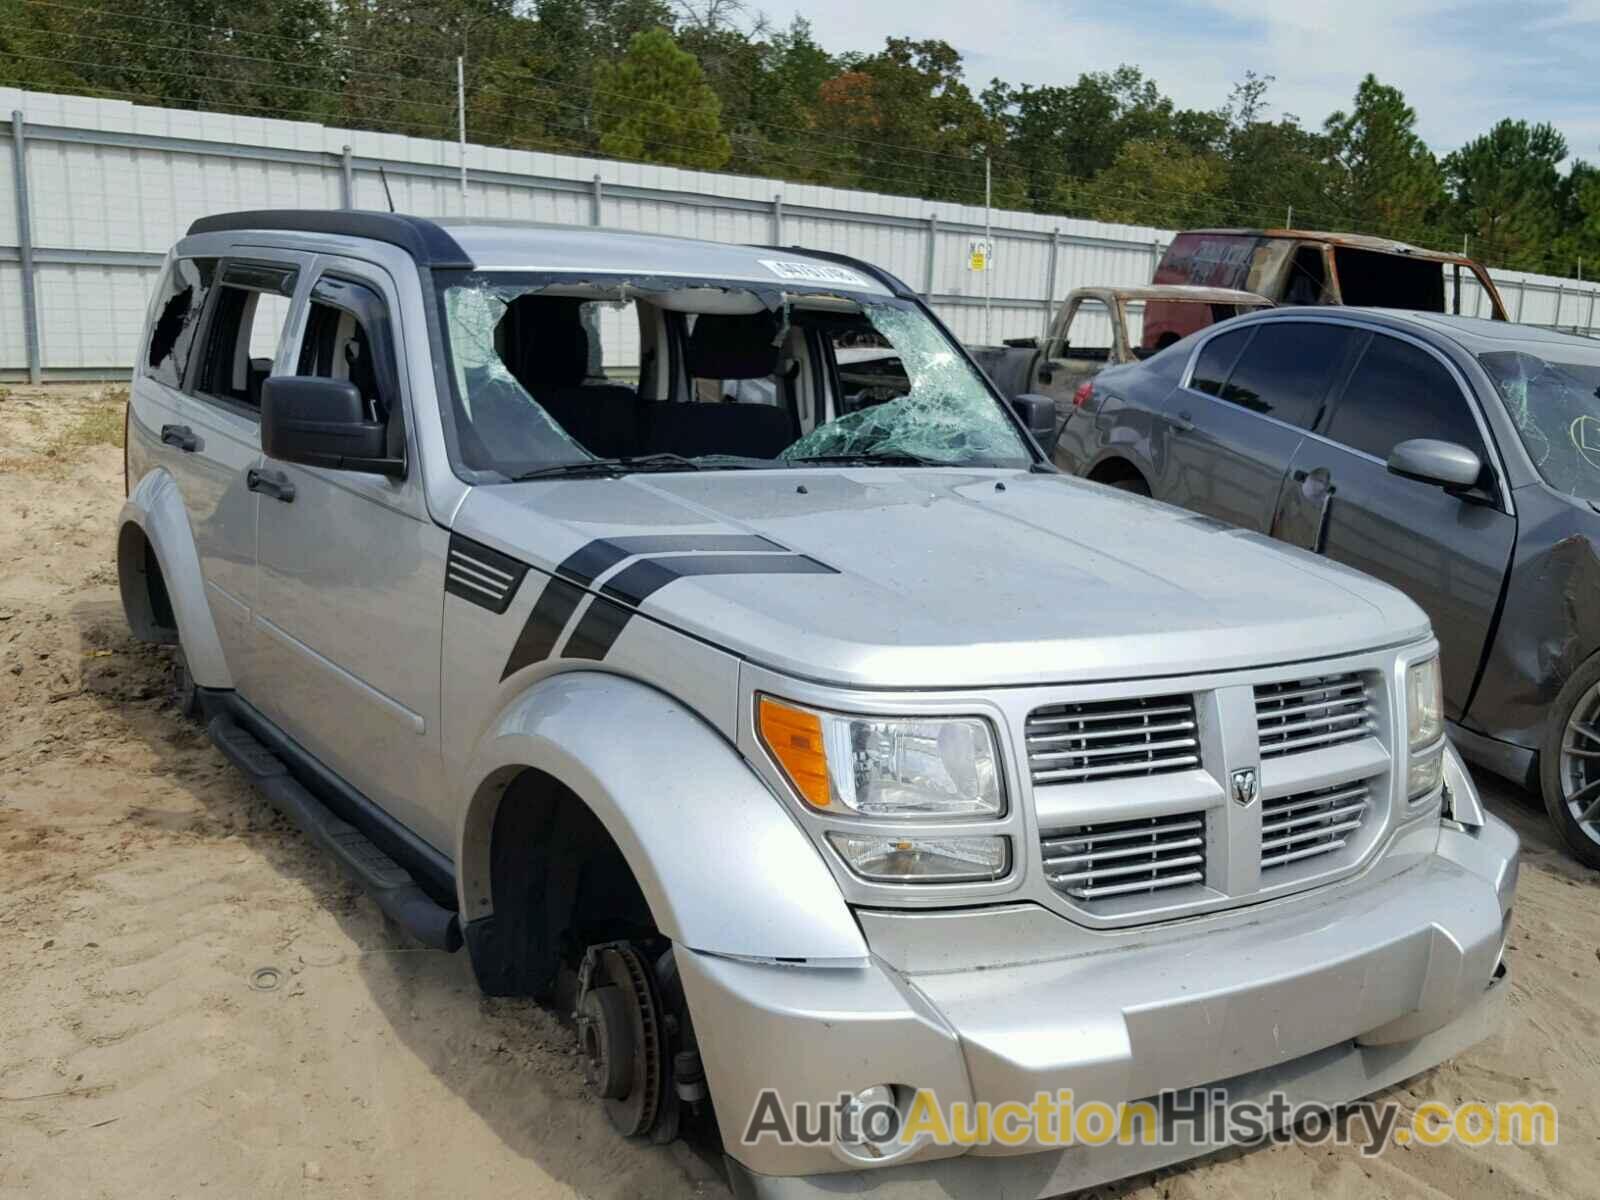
(947, 416)
(1555, 407)
(507, 422)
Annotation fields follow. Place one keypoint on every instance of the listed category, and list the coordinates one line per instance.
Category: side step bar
(390, 885)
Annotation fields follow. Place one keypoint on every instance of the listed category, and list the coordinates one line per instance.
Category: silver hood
(936, 578)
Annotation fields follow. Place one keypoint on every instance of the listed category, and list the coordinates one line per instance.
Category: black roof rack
(427, 243)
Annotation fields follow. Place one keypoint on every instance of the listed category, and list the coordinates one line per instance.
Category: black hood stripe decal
(584, 565)
(605, 618)
(634, 584)
(542, 631)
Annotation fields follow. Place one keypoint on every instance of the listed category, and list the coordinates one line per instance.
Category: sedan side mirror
(1038, 413)
(1427, 460)
(320, 422)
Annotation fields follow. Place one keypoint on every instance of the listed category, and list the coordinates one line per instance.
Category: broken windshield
(551, 371)
(1556, 409)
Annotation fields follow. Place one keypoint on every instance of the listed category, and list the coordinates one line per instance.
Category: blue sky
(1461, 65)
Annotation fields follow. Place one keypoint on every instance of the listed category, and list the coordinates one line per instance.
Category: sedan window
(1287, 369)
(1399, 392)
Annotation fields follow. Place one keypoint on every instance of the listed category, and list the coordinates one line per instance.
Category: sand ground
(143, 885)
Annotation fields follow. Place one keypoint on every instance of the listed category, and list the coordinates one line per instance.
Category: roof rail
(429, 244)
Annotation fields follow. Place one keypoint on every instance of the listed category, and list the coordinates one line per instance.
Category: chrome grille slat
(1093, 734)
(1110, 739)
(1306, 824)
(1105, 751)
(1060, 860)
(1307, 714)
(1120, 858)
(1125, 714)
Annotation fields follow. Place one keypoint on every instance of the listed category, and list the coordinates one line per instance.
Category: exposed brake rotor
(623, 1036)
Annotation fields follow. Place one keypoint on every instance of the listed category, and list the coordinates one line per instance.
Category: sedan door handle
(270, 483)
(180, 436)
(1183, 422)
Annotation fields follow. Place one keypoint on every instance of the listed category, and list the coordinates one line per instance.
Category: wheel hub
(622, 1036)
(1580, 764)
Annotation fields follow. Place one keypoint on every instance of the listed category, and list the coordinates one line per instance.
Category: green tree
(1274, 166)
(1152, 181)
(1507, 193)
(1384, 177)
(655, 105)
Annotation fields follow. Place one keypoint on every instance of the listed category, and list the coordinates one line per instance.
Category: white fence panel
(113, 185)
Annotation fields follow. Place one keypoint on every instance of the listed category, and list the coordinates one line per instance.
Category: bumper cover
(1326, 1001)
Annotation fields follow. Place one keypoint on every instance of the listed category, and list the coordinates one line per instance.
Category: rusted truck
(1097, 327)
(1298, 266)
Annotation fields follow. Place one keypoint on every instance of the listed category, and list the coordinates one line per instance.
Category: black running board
(390, 885)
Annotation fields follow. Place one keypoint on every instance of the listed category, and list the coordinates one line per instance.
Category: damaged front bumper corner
(1326, 1000)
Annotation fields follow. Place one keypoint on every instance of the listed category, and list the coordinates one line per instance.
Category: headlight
(916, 767)
(1424, 727)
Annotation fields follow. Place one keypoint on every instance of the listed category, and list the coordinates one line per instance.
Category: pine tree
(655, 106)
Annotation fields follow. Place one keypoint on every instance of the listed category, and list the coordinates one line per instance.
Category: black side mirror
(1038, 413)
(321, 422)
(1427, 460)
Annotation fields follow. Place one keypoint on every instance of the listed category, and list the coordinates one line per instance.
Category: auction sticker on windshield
(804, 272)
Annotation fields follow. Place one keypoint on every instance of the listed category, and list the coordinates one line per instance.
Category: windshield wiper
(611, 466)
(873, 460)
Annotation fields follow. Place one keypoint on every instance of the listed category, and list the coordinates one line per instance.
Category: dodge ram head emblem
(1244, 786)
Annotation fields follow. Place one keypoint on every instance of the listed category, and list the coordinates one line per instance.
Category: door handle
(270, 483)
(1182, 423)
(180, 436)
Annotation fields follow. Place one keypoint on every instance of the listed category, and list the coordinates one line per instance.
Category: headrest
(733, 346)
(546, 343)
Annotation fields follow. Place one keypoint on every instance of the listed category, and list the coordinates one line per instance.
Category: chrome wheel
(1580, 764)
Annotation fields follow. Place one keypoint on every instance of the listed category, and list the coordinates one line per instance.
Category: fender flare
(724, 867)
(155, 507)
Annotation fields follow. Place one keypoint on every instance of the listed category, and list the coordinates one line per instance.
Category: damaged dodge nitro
(596, 601)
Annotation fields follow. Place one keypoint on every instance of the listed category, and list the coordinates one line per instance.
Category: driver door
(350, 583)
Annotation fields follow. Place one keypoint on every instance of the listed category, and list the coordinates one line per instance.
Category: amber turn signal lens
(794, 737)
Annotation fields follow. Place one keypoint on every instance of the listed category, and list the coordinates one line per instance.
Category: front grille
(1310, 823)
(1119, 858)
(1112, 739)
(1309, 714)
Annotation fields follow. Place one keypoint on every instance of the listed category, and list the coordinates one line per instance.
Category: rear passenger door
(218, 434)
(1448, 552)
(351, 572)
(1226, 438)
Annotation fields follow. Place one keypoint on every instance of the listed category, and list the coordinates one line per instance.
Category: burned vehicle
(1298, 266)
(572, 589)
(1097, 327)
(1457, 459)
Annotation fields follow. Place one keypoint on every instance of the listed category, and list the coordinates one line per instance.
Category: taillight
(1081, 396)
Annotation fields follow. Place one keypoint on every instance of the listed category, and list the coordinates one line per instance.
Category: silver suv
(803, 731)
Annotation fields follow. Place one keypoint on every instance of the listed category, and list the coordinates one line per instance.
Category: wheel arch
(158, 573)
(1114, 466)
(722, 866)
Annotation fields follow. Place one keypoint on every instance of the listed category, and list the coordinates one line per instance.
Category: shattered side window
(940, 408)
(1556, 409)
(500, 423)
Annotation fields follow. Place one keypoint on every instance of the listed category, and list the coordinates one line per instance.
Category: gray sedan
(1455, 458)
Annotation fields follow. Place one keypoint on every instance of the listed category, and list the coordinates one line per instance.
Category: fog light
(870, 1123)
(886, 858)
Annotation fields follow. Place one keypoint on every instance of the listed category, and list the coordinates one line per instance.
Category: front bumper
(1326, 1000)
